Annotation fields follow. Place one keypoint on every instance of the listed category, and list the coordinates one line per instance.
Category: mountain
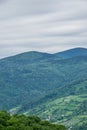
(39, 83)
(72, 53)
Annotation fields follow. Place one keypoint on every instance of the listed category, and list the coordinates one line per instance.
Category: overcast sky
(42, 25)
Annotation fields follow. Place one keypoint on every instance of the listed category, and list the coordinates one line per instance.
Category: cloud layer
(42, 25)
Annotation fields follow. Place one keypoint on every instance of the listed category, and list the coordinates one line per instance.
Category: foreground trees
(22, 122)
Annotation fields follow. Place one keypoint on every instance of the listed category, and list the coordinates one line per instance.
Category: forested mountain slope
(34, 79)
(72, 53)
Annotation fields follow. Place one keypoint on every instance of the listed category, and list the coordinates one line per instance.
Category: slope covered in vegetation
(32, 76)
(21, 122)
(35, 83)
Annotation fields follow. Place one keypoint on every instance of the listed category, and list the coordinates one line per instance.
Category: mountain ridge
(48, 69)
(83, 50)
(38, 78)
(72, 52)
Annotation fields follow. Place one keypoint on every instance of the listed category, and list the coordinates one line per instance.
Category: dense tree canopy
(22, 122)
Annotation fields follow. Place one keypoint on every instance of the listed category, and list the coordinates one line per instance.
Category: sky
(42, 25)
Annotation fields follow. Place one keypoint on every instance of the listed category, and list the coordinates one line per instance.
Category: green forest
(22, 122)
(46, 85)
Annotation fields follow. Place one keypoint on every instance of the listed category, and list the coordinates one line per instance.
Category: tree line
(22, 122)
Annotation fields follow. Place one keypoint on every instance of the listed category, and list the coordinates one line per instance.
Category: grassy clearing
(70, 110)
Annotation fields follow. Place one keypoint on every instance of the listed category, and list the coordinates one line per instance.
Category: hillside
(70, 110)
(72, 53)
(32, 81)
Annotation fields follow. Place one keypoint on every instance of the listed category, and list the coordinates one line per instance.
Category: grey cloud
(48, 26)
(17, 8)
(2, 1)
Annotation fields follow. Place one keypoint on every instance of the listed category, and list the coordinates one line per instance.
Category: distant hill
(72, 53)
(30, 82)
